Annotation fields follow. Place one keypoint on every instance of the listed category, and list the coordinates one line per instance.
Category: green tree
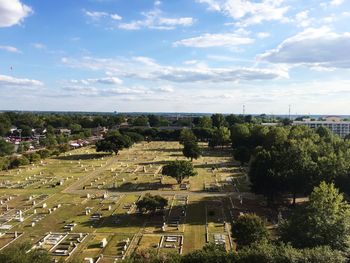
(141, 121)
(221, 137)
(19, 254)
(324, 221)
(210, 253)
(179, 170)
(187, 136)
(154, 120)
(33, 157)
(44, 153)
(113, 142)
(151, 203)
(242, 154)
(4, 163)
(23, 147)
(248, 229)
(49, 141)
(191, 150)
(6, 148)
(134, 136)
(205, 122)
(218, 120)
(265, 174)
(240, 135)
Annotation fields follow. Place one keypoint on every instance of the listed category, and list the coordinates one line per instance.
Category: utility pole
(243, 110)
(289, 111)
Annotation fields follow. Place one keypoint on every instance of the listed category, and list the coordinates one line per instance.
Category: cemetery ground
(81, 205)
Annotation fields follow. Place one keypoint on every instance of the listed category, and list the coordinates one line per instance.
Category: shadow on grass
(166, 150)
(195, 215)
(78, 157)
(130, 187)
(228, 165)
(153, 163)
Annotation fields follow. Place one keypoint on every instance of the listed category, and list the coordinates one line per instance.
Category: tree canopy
(248, 229)
(151, 203)
(179, 170)
(324, 221)
(113, 142)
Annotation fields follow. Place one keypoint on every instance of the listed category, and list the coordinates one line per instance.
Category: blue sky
(175, 55)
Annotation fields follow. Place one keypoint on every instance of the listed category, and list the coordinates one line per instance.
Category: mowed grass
(194, 233)
(139, 169)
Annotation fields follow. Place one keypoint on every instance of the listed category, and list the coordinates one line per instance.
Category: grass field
(96, 193)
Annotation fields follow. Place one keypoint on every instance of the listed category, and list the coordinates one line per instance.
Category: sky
(211, 56)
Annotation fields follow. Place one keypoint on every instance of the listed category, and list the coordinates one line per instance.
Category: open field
(87, 201)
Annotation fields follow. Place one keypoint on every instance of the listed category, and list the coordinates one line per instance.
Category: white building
(335, 124)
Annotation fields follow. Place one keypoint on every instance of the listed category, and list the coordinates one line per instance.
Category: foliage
(191, 150)
(324, 221)
(210, 253)
(218, 120)
(20, 254)
(248, 229)
(187, 136)
(242, 154)
(113, 142)
(221, 137)
(33, 157)
(5, 148)
(140, 121)
(179, 170)
(134, 136)
(151, 203)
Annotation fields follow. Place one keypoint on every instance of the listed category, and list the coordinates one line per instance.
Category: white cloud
(154, 19)
(39, 46)
(336, 2)
(332, 3)
(215, 40)
(10, 49)
(97, 15)
(148, 70)
(116, 17)
(317, 47)
(263, 35)
(85, 90)
(249, 12)
(13, 12)
(106, 81)
(8, 81)
(302, 19)
(165, 89)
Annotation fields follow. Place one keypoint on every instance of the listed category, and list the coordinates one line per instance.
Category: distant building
(334, 123)
(98, 131)
(66, 132)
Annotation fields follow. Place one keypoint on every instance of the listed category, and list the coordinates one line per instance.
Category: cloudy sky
(176, 55)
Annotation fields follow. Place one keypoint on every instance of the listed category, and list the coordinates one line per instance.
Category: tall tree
(113, 142)
(248, 229)
(179, 170)
(218, 120)
(324, 221)
(6, 148)
(242, 154)
(240, 135)
(191, 150)
(187, 136)
(205, 122)
(151, 203)
(221, 137)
